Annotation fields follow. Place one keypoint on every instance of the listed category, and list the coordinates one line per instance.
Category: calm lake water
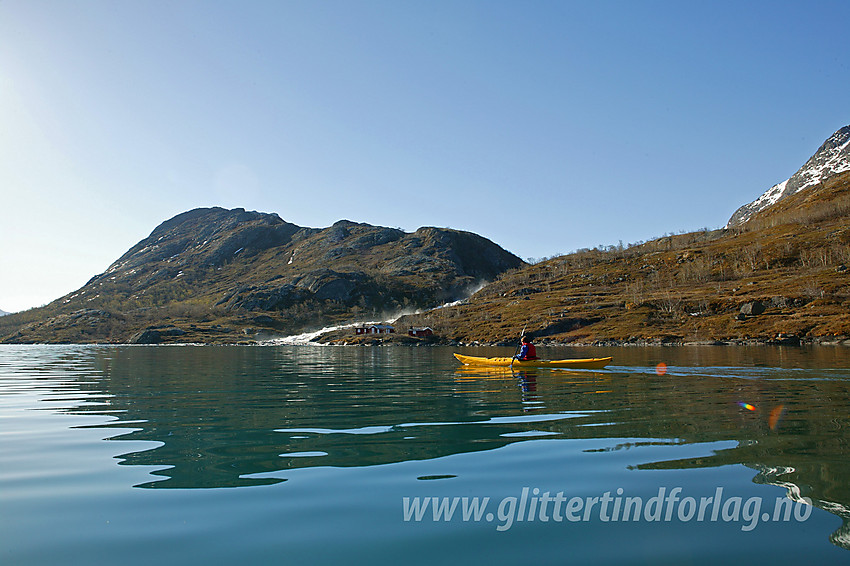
(345, 455)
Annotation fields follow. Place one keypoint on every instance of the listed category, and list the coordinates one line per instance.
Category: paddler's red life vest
(528, 352)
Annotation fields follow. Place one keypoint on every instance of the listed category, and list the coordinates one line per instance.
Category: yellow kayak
(587, 363)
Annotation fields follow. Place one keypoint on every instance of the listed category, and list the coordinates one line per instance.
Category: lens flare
(746, 406)
(775, 416)
(661, 369)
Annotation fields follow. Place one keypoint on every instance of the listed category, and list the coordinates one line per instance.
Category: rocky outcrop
(263, 298)
(753, 308)
(155, 335)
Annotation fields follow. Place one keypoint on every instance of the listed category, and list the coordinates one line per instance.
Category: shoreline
(384, 344)
(399, 340)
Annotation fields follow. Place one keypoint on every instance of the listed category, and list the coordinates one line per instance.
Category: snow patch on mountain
(832, 158)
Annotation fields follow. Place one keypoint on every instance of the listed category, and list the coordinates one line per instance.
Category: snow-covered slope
(832, 158)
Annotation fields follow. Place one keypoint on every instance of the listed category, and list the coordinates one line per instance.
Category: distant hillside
(216, 275)
(4, 313)
(781, 277)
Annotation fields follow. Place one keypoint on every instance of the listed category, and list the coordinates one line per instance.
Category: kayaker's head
(526, 339)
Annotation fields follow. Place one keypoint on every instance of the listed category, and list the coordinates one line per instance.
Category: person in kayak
(528, 351)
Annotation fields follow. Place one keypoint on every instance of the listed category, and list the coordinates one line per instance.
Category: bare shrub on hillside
(696, 271)
(636, 292)
(841, 253)
(816, 257)
(669, 303)
(746, 260)
(583, 258)
(724, 270)
(662, 280)
(752, 254)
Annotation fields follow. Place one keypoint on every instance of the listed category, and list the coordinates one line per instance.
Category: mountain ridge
(212, 274)
(831, 158)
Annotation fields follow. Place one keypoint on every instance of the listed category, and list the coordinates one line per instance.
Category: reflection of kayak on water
(586, 363)
(498, 372)
(475, 373)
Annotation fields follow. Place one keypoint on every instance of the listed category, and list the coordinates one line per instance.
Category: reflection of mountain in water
(781, 477)
(227, 416)
(806, 452)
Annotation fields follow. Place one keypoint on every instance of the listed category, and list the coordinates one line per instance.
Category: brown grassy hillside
(781, 276)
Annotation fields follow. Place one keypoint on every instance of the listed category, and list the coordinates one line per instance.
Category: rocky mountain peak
(207, 236)
(832, 158)
(228, 272)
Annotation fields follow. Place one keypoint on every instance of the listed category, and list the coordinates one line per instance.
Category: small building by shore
(375, 329)
(420, 332)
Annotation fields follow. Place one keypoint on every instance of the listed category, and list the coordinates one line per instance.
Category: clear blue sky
(546, 126)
